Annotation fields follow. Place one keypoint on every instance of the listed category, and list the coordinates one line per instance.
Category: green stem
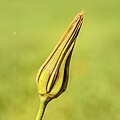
(41, 110)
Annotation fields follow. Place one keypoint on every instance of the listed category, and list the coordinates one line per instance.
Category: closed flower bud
(52, 77)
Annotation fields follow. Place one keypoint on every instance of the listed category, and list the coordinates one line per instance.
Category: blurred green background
(29, 30)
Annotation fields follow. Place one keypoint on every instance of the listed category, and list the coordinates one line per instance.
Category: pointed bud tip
(79, 16)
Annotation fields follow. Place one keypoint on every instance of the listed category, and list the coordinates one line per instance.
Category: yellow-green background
(29, 30)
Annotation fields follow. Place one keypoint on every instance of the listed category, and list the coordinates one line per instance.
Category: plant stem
(41, 110)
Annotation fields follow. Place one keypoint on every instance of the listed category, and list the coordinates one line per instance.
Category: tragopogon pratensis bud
(52, 77)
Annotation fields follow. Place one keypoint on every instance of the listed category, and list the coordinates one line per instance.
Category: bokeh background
(29, 30)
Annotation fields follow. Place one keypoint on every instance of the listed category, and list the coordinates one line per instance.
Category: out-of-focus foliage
(29, 30)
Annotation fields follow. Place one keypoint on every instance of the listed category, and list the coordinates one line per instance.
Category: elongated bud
(52, 77)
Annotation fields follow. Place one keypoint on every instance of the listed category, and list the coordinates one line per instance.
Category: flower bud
(52, 77)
